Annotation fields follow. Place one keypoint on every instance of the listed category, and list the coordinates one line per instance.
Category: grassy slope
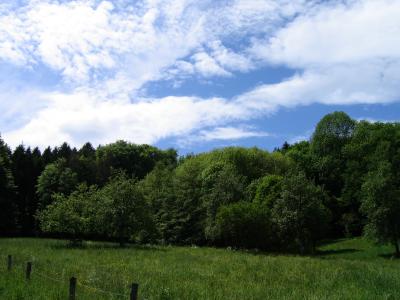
(347, 269)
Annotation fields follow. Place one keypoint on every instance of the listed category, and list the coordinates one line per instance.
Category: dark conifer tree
(8, 209)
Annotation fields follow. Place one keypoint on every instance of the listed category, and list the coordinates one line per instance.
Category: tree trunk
(396, 244)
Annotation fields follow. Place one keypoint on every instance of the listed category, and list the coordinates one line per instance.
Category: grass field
(346, 269)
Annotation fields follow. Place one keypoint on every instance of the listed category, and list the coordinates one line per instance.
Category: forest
(343, 182)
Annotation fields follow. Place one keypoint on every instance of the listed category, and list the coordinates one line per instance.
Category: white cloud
(12, 35)
(367, 83)
(86, 40)
(208, 66)
(81, 116)
(229, 59)
(229, 133)
(373, 120)
(217, 60)
(254, 16)
(330, 35)
(345, 54)
(226, 133)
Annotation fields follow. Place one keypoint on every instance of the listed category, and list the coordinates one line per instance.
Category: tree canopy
(344, 181)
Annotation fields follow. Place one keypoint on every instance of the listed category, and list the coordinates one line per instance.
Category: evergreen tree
(8, 208)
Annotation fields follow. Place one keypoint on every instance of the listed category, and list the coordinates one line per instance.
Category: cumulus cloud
(327, 35)
(347, 53)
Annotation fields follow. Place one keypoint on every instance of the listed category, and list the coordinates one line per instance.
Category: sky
(193, 74)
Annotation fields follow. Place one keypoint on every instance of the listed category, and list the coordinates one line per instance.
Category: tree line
(343, 182)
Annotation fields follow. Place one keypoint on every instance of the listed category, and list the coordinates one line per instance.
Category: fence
(73, 282)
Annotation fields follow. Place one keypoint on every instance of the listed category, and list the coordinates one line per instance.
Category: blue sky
(193, 75)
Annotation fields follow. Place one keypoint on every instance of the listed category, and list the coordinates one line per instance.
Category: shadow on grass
(334, 252)
(390, 256)
(294, 253)
(105, 246)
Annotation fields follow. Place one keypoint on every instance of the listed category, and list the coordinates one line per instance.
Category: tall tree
(72, 216)
(158, 190)
(381, 204)
(26, 167)
(372, 143)
(83, 163)
(8, 208)
(221, 185)
(331, 135)
(57, 178)
(299, 214)
(125, 211)
(187, 225)
(135, 160)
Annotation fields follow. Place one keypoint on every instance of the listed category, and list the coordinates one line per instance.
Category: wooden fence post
(72, 288)
(28, 270)
(9, 263)
(134, 291)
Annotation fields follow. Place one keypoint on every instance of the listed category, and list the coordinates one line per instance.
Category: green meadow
(344, 269)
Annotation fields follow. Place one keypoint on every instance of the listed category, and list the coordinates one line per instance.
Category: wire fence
(47, 275)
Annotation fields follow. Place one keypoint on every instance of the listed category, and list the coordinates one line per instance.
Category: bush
(299, 214)
(245, 225)
(69, 215)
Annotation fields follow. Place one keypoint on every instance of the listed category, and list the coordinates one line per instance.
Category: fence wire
(97, 290)
(53, 277)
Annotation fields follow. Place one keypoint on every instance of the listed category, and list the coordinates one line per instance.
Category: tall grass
(346, 269)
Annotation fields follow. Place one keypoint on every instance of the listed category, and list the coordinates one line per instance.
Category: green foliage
(268, 190)
(331, 135)
(70, 215)
(252, 163)
(333, 131)
(221, 185)
(135, 160)
(158, 190)
(301, 154)
(245, 225)
(372, 143)
(124, 213)
(83, 163)
(203, 183)
(244, 197)
(300, 215)
(27, 166)
(118, 212)
(286, 213)
(188, 213)
(8, 209)
(381, 204)
(56, 178)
